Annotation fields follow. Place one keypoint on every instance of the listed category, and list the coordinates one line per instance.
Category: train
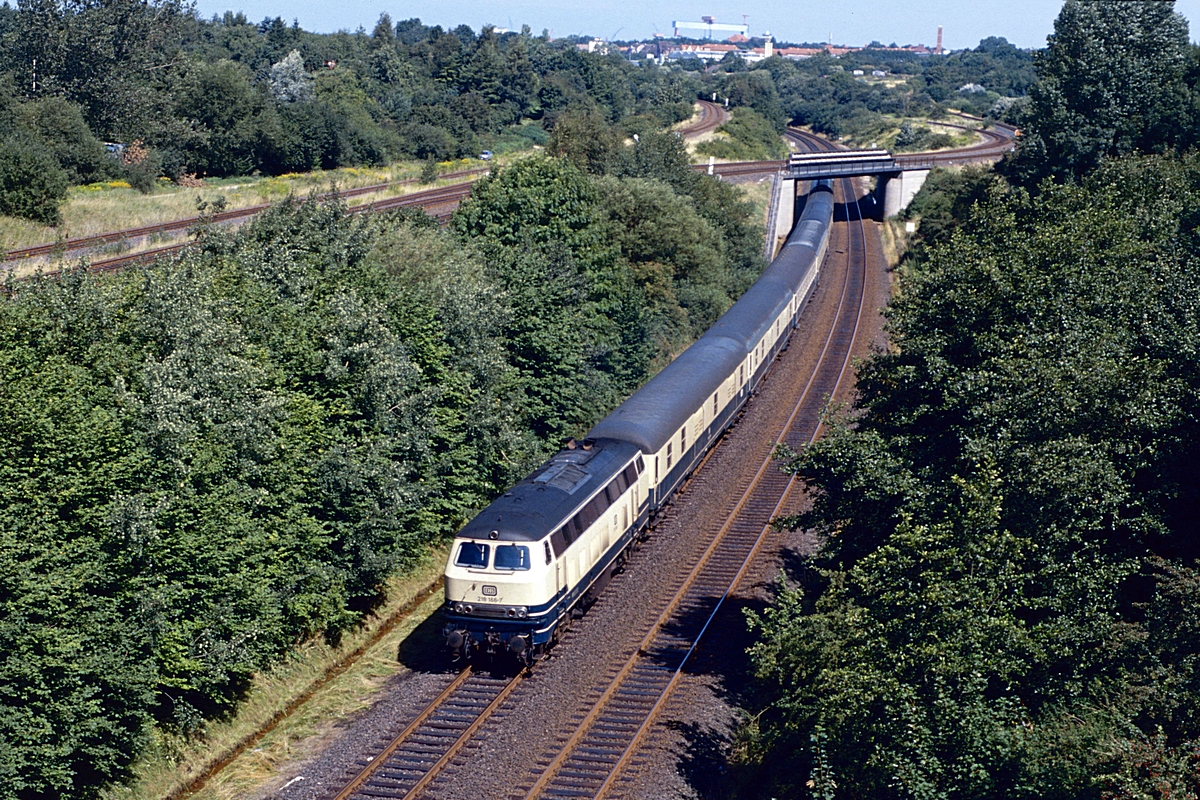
(543, 551)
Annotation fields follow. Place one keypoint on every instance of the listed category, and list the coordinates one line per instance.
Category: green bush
(752, 137)
(32, 184)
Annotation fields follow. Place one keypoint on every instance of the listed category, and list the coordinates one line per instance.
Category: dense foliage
(1003, 602)
(747, 136)
(208, 460)
(824, 93)
(1001, 605)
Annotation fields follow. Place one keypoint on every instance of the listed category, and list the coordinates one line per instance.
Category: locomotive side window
(586, 516)
(631, 475)
(621, 482)
(641, 467)
(512, 556)
(599, 505)
(472, 554)
(558, 540)
(668, 456)
(714, 404)
(549, 557)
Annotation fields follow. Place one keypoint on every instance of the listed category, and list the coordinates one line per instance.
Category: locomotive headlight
(467, 609)
(458, 608)
(522, 612)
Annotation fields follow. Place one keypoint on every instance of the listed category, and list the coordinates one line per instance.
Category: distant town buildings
(737, 45)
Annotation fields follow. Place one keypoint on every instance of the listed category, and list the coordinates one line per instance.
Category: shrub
(32, 184)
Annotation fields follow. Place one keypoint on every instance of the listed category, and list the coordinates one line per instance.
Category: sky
(1025, 23)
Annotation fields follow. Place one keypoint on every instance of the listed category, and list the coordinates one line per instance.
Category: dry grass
(170, 765)
(113, 206)
(895, 241)
(757, 191)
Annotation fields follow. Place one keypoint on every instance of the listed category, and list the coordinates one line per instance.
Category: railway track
(712, 116)
(589, 760)
(595, 758)
(440, 202)
(175, 226)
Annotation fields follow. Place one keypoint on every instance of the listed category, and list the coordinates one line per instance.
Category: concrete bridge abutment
(895, 190)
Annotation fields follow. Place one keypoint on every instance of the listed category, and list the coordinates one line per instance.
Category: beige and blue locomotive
(549, 544)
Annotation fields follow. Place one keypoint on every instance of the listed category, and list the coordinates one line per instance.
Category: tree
(61, 127)
(536, 200)
(289, 81)
(586, 140)
(1110, 82)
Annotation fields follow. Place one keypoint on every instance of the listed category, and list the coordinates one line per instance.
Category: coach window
(472, 554)
(668, 456)
(714, 405)
(683, 439)
(512, 556)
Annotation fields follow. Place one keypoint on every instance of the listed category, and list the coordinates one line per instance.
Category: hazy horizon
(1025, 23)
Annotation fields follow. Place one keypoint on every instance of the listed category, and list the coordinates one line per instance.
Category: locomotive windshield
(512, 556)
(472, 554)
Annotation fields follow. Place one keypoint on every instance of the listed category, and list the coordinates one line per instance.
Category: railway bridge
(900, 177)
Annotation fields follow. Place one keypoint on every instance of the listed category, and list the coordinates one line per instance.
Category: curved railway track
(589, 760)
(712, 115)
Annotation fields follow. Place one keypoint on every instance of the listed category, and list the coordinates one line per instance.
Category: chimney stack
(938, 49)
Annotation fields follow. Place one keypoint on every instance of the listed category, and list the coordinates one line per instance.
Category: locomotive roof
(660, 408)
(544, 500)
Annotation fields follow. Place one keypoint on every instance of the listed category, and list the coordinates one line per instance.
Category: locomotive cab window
(472, 554)
(512, 556)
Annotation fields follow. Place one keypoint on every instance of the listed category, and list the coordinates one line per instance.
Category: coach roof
(660, 408)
